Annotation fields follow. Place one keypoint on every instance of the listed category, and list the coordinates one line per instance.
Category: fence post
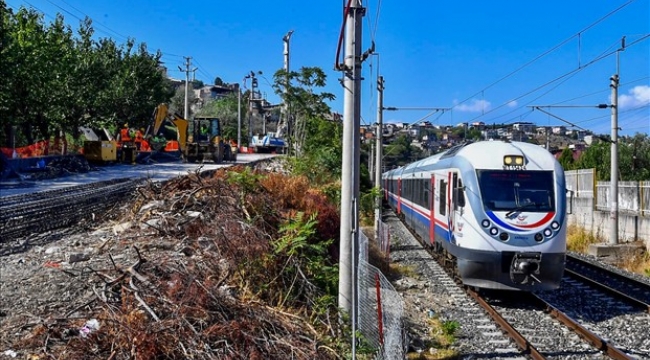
(380, 319)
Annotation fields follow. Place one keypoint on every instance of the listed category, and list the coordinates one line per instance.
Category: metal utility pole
(285, 108)
(379, 145)
(348, 260)
(251, 98)
(187, 71)
(613, 185)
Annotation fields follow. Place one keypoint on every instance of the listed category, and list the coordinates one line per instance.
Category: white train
(497, 207)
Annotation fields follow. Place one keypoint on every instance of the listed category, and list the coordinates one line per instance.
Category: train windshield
(517, 190)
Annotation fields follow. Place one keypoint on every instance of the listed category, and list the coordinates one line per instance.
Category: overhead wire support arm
(599, 106)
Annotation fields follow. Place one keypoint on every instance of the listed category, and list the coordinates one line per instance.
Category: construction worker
(124, 133)
(203, 135)
(139, 138)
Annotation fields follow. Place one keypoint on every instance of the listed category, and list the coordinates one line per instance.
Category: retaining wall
(630, 227)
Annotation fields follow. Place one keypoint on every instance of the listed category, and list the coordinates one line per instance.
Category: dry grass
(579, 239)
(404, 271)
(636, 262)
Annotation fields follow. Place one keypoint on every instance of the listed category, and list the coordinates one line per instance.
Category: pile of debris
(232, 265)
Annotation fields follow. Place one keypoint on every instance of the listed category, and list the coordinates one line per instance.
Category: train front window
(517, 190)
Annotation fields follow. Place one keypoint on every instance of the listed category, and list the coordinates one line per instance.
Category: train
(497, 209)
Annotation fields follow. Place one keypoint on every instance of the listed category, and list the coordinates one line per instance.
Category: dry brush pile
(238, 264)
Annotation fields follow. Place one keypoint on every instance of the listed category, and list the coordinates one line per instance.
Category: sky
(446, 62)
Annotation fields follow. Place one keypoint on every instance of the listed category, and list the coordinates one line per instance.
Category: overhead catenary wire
(538, 57)
(569, 73)
(86, 15)
(103, 29)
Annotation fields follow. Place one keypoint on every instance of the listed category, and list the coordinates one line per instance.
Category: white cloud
(512, 103)
(638, 96)
(473, 106)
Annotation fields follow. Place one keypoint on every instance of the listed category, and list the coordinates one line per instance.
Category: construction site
(135, 268)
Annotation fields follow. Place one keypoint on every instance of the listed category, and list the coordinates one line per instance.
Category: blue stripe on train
(421, 218)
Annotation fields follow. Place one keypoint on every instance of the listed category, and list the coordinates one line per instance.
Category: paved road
(156, 172)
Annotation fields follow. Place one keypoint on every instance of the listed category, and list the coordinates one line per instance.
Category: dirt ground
(61, 287)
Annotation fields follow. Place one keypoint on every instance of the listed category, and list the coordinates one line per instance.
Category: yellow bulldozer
(205, 141)
(199, 139)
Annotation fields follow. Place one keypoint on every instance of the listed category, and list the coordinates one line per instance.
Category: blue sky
(484, 60)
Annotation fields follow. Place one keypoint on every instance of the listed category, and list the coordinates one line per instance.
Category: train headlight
(539, 237)
(555, 225)
(494, 231)
(485, 223)
(504, 236)
(513, 160)
(547, 232)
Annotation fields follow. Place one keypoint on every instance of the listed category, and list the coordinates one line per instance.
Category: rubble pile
(62, 166)
(227, 266)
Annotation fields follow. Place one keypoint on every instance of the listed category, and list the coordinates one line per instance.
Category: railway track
(583, 319)
(597, 313)
(609, 280)
(36, 213)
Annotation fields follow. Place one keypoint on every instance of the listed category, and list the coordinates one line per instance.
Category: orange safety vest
(124, 135)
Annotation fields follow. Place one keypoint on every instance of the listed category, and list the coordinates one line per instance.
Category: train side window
(460, 194)
(432, 195)
(442, 208)
(426, 194)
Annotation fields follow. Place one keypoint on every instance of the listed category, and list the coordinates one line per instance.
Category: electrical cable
(562, 43)
(80, 19)
(337, 64)
(570, 73)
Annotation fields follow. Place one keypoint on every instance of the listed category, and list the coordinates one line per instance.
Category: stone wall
(630, 227)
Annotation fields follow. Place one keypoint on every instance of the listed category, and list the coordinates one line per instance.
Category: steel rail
(595, 340)
(627, 287)
(519, 339)
(64, 209)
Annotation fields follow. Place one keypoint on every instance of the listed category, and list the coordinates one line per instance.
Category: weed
(578, 239)
(443, 335)
(404, 270)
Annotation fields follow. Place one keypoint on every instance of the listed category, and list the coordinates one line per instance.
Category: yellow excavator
(199, 139)
(169, 131)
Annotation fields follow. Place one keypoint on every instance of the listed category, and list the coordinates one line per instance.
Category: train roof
(487, 154)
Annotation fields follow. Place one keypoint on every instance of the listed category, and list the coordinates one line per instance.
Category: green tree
(225, 109)
(566, 159)
(53, 80)
(298, 89)
(597, 157)
(26, 96)
(177, 104)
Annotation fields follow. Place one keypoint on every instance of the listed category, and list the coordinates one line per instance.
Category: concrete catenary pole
(613, 185)
(251, 99)
(379, 145)
(350, 163)
(187, 71)
(238, 117)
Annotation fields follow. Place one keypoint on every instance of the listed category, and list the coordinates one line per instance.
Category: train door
(432, 211)
(440, 207)
(457, 204)
(399, 195)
